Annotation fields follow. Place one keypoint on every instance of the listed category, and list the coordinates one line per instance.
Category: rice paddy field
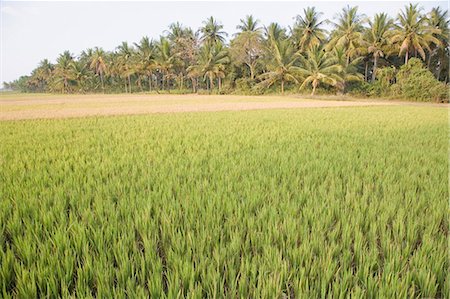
(284, 203)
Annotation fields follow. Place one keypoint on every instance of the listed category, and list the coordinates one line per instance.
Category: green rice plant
(335, 203)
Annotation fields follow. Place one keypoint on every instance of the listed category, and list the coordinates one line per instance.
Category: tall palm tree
(439, 19)
(246, 47)
(63, 71)
(211, 64)
(274, 32)
(42, 74)
(308, 31)
(377, 38)
(282, 65)
(79, 73)
(146, 55)
(98, 64)
(165, 60)
(125, 56)
(412, 33)
(211, 32)
(347, 32)
(319, 67)
(249, 24)
(348, 71)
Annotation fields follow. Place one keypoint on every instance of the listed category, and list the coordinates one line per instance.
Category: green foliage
(313, 203)
(415, 82)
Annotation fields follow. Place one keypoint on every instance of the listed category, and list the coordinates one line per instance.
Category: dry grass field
(39, 106)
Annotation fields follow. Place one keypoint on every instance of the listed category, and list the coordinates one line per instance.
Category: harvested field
(20, 106)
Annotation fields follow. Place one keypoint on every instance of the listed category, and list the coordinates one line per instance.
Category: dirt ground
(25, 106)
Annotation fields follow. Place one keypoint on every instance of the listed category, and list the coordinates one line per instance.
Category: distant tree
(246, 47)
(412, 34)
(211, 32)
(98, 64)
(125, 63)
(281, 68)
(377, 38)
(308, 29)
(319, 67)
(62, 72)
(347, 32)
(211, 64)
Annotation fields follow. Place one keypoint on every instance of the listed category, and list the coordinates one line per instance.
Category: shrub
(415, 82)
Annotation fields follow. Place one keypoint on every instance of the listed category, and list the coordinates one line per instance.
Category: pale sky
(32, 31)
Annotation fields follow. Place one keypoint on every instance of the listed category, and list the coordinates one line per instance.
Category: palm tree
(308, 31)
(146, 53)
(412, 33)
(249, 24)
(281, 67)
(42, 74)
(347, 32)
(211, 64)
(377, 38)
(319, 67)
(98, 64)
(79, 74)
(246, 48)
(125, 56)
(348, 71)
(63, 71)
(211, 32)
(274, 32)
(439, 19)
(165, 60)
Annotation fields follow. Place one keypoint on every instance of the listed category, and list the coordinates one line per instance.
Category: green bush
(415, 82)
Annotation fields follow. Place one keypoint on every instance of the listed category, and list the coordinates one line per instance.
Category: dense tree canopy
(264, 59)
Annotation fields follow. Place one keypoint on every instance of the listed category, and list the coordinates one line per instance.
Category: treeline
(405, 57)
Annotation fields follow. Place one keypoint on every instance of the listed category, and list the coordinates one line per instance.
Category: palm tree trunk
(211, 83)
(129, 82)
(101, 79)
(282, 86)
(149, 82)
(406, 57)
(375, 65)
(220, 84)
(314, 89)
(366, 71)
(252, 71)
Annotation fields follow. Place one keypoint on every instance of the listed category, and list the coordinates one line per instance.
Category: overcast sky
(32, 31)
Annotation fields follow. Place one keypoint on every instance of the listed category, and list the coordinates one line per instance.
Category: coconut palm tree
(307, 31)
(79, 73)
(348, 71)
(146, 56)
(63, 71)
(347, 32)
(274, 32)
(319, 67)
(211, 64)
(247, 47)
(249, 24)
(377, 38)
(281, 67)
(42, 74)
(165, 60)
(211, 32)
(412, 34)
(439, 53)
(124, 58)
(98, 64)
